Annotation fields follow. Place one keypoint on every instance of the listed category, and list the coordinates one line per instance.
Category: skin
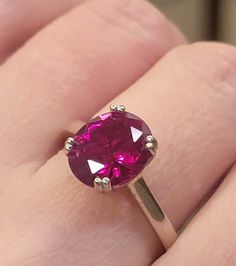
(73, 66)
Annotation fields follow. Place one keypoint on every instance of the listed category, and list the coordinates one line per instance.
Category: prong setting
(98, 185)
(102, 185)
(117, 108)
(106, 184)
(151, 144)
(150, 138)
(69, 143)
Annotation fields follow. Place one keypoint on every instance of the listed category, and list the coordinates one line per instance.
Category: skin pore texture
(70, 63)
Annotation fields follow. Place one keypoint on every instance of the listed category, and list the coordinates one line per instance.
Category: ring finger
(192, 113)
(69, 70)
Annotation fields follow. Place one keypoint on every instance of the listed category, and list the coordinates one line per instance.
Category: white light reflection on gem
(95, 166)
(135, 133)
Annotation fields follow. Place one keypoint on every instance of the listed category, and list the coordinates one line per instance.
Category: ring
(110, 152)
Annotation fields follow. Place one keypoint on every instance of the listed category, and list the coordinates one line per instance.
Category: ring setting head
(111, 150)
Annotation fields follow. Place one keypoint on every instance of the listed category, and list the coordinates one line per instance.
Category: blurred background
(202, 19)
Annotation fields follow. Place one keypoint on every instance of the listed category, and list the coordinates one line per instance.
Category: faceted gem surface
(111, 145)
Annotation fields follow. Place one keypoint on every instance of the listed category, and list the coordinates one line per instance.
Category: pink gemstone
(111, 145)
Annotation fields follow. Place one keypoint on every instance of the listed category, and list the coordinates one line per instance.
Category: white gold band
(153, 212)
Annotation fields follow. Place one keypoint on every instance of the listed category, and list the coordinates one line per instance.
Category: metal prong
(106, 184)
(69, 143)
(151, 144)
(119, 108)
(150, 138)
(113, 107)
(98, 184)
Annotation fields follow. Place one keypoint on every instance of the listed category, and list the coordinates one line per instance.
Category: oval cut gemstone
(111, 145)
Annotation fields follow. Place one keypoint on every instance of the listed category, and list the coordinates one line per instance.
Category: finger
(192, 113)
(74, 66)
(194, 120)
(210, 238)
(21, 19)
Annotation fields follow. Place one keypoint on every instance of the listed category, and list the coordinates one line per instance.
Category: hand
(78, 57)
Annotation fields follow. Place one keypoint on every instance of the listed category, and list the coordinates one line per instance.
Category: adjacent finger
(72, 68)
(21, 19)
(210, 238)
(192, 113)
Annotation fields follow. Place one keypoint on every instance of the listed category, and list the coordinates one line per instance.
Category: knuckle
(133, 16)
(209, 59)
(230, 259)
(211, 63)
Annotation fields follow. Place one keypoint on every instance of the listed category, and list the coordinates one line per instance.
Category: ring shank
(153, 212)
